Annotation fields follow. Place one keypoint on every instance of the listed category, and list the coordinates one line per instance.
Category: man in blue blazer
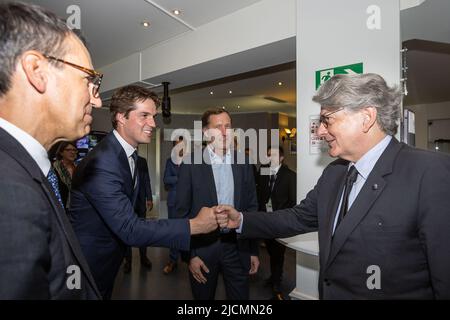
(105, 187)
(143, 202)
(47, 91)
(382, 210)
(218, 179)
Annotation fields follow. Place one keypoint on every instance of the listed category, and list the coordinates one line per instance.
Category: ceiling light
(211, 92)
(280, 83)
(239, 107)
(230, 92)
(145, 24)
(176, 12)
(223, 107)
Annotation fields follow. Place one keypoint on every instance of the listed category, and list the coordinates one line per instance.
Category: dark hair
(280, 150)
(208, 113)
(123, 100)
(25, 27)
(62, 146)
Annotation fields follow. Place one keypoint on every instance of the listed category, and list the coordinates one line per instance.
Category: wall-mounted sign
(325, 74)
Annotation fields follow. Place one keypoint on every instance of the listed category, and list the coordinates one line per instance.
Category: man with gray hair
(382, 210)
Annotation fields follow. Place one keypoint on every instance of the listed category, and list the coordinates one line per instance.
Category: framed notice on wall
(316, 143)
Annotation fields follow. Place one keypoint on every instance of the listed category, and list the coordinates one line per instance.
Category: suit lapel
(16, 150)
(366, 197)
(65, 225)
(337, 186)
(207, 173)
(237, 176)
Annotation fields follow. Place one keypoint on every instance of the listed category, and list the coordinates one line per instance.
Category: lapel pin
(375, 187)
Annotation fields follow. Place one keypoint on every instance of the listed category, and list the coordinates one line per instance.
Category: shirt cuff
(239, 230)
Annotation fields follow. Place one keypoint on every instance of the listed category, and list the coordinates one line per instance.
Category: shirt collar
(31, 145)
(216, 159)
(129, 149)
(274, 170)
(368, 161)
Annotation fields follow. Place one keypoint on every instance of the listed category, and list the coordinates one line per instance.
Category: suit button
(327, 282)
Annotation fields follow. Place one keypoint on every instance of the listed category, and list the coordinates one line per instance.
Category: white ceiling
(113, 31)
(113, 27)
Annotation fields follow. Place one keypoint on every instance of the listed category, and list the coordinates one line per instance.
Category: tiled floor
(142, 284)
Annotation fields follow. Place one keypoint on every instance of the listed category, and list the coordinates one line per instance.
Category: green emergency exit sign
(325, 74)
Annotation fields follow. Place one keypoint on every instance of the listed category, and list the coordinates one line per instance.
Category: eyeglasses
(94, 77)
(71, 150)
(325, 118)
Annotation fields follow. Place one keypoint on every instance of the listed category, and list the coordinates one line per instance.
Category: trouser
(276, 252)
(222, 257)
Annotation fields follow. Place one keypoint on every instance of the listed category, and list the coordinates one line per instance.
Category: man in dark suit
(218, 179)
(42, 101)
(144, 201)
(382, 210)
(105, 188)
(276, 190)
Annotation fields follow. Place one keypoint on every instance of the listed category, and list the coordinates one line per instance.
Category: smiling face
(137, 127)
(344, 134)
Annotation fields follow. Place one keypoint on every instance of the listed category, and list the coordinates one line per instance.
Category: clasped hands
(222, 216)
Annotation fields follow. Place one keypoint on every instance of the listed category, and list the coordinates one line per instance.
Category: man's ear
(35, 68)
(370, 118)
(120, 118)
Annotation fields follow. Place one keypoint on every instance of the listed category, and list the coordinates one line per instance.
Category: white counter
(307, 265)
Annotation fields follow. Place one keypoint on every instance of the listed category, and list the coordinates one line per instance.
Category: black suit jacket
(103, 215)
(196, 189)
(37, 243)
(284, 194)
(400, 222)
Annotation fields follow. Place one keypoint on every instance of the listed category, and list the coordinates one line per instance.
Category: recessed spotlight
(239, 107)
(223, 107)
(280, 83)
(145, 24)
(176, 12)
(211, 92)
(230, 92)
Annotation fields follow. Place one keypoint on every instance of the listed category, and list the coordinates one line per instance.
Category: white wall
(330, 34)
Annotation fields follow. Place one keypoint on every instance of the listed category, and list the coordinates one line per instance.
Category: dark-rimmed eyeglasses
(325, 118)
(94, 77)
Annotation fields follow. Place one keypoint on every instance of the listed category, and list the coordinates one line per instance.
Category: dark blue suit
(170, 181)
(103, 216)
(220, 252)
(37, 243)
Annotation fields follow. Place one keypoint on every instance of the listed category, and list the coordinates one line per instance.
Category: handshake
(209, 219)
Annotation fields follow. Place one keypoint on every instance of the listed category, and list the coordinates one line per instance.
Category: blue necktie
(53, 179)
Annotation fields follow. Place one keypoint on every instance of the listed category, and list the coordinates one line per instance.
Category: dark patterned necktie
(53, 180)
(135, 158)
(350, 179)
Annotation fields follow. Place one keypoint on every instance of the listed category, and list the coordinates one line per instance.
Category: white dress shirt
(129, 150)
(33, 147)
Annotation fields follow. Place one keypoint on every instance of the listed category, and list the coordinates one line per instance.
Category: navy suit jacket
(37, 244)
(399, 222)
(103, 216)
(145, 189)
(196, 189)
(170, 181)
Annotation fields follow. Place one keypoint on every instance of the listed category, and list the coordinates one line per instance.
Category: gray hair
(25, 27)
(358, 91)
